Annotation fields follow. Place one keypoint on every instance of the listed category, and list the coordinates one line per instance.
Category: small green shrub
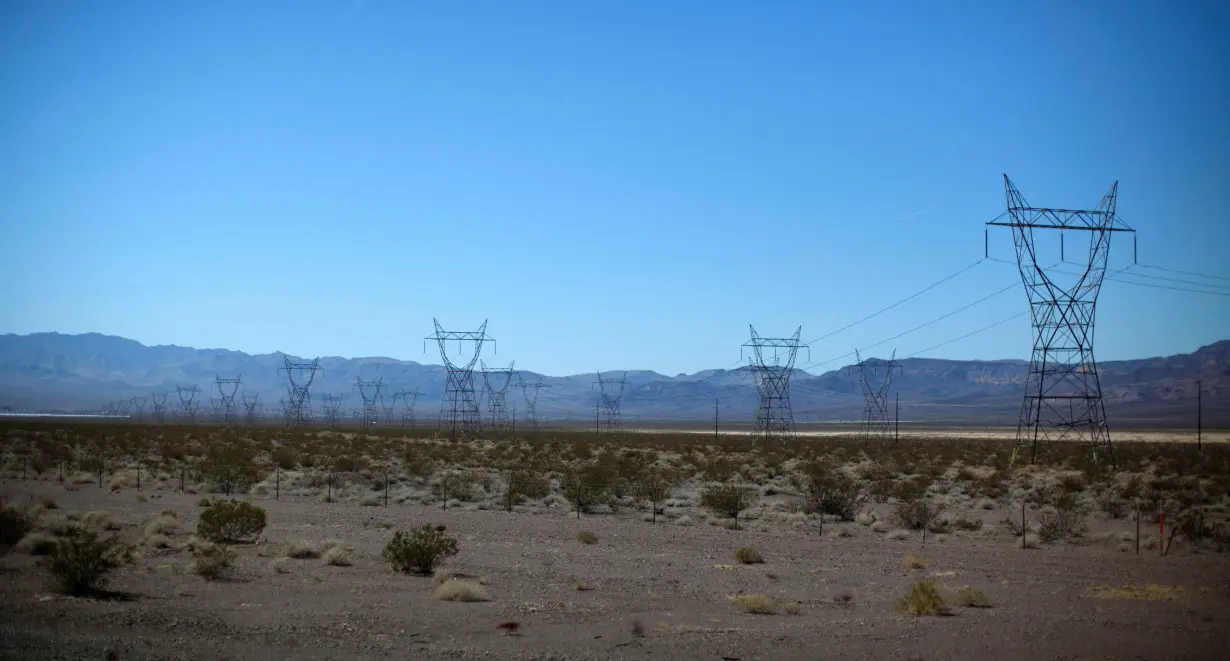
(231, 521)
(419, 551)
(832, 492)
(82, 559)
(728, 500)
(923, 599)
(748, 556)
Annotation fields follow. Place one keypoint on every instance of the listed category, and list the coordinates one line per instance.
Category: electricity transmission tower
(496, 382)
(298, 394)
(251, 402)
(772, 361)
(531, 400)
(332, 405)
(159, 399)
(408, 398)
(137, 404)
(1063, 394)
(187, 407)
(611, 392)
(369, 415)
(226, 404)
(125, 406)
(877, 423)
(459, 410)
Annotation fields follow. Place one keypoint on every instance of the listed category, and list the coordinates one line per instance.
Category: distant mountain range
(80, 373)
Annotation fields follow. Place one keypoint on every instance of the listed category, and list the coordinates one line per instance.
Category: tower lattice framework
(251, 407)
(1063, 394)
(459, 411)
(875, 378)
(611, 394)
(496, 382)
(187, 403)
(772, 362)
(530, 392)
(298, 406)
(226, 404)
(369, 392)
(159, 400)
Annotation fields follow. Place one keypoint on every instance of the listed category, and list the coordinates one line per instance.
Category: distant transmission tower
(159, 399)
(332, 405)
(496, 382)
(226, 404)
(459, 411)
(251, 404)
(772, 361)
(530, 392)
(611, 392)
(125, 406)
(408, 398)
(1063, 394)
(369, 415)
(137, 404)
(875, 377)
(187, 407)
(298, 394)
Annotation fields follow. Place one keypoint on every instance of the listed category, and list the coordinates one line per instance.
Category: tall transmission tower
(159, 400)
(332, 405)
(610, 393)
(459, 410)
(125, 406)
(1063, 394)
(772, 362)
(530, 392)
(226, 404)
(187, 407)
(496, 382)
(369, 392)
(876, 377)
(298, 391)
(251, 407)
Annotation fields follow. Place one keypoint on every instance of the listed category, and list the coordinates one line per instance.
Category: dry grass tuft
(209, 560)
(911, 561)
(37, 543)
(923, 599)
(1145, 592)
(748, 556)
(301, 550)
(100, 520)
(336, 556)
(460, 590)
(587, 537)
(279, 566)
(757, 604)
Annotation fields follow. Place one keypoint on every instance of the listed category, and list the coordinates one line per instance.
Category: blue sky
(613, 184)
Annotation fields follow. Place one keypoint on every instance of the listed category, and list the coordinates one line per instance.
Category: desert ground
(617, 548)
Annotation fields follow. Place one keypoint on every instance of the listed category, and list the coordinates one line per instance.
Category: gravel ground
(674, 581)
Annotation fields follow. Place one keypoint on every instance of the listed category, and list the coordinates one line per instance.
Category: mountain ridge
(82, 372)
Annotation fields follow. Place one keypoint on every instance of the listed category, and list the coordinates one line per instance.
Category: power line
(1192, 273)
(969, 334)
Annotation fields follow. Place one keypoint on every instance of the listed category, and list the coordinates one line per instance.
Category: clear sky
(613, 184)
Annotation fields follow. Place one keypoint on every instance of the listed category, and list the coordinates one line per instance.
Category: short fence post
(61, 470)
(330, 496)
(182, 473)
(1138, 529)
(138, 476)
(386, 488)
(277, 482)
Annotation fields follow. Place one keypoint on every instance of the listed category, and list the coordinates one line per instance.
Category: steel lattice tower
(611, 393)
(772, 361)
(459, 410)
(226, 405)
(408, 398)
(298, 391)
(187, 407)
(251, 404)
(531, 400)
(877, 423)
(138, 404)
(332, 405)
(125, 406)
(1063, 394)
(496, 382)
(159, 400)
(369, 392)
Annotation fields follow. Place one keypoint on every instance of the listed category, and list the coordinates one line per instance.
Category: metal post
(1199, 413)
(277, 482)
(386, 488)
(1137, 528)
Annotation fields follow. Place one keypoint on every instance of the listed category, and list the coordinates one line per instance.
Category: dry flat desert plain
(841, 548)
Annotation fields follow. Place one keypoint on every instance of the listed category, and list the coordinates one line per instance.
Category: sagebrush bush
(924, 599)
(211, 560)
(728, 500)
(916, 514)
(832, 492)
(15, 523)
(231, 521)
(82, 558)
(748, 555)
(419, 551)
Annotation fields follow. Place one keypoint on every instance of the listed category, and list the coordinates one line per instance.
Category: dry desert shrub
(100, 520)
(757, 604)
(301, 550)
(419, 551)
(83, 558)
(231, 521)
(15, 523)
(587, 537)
(911, 561)
(916, 514)
(460, 590)
(728, 500)
(336, 556)
(210, 560)
(748, 555)
(970, 598)
(924, 599)
(36, 543)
